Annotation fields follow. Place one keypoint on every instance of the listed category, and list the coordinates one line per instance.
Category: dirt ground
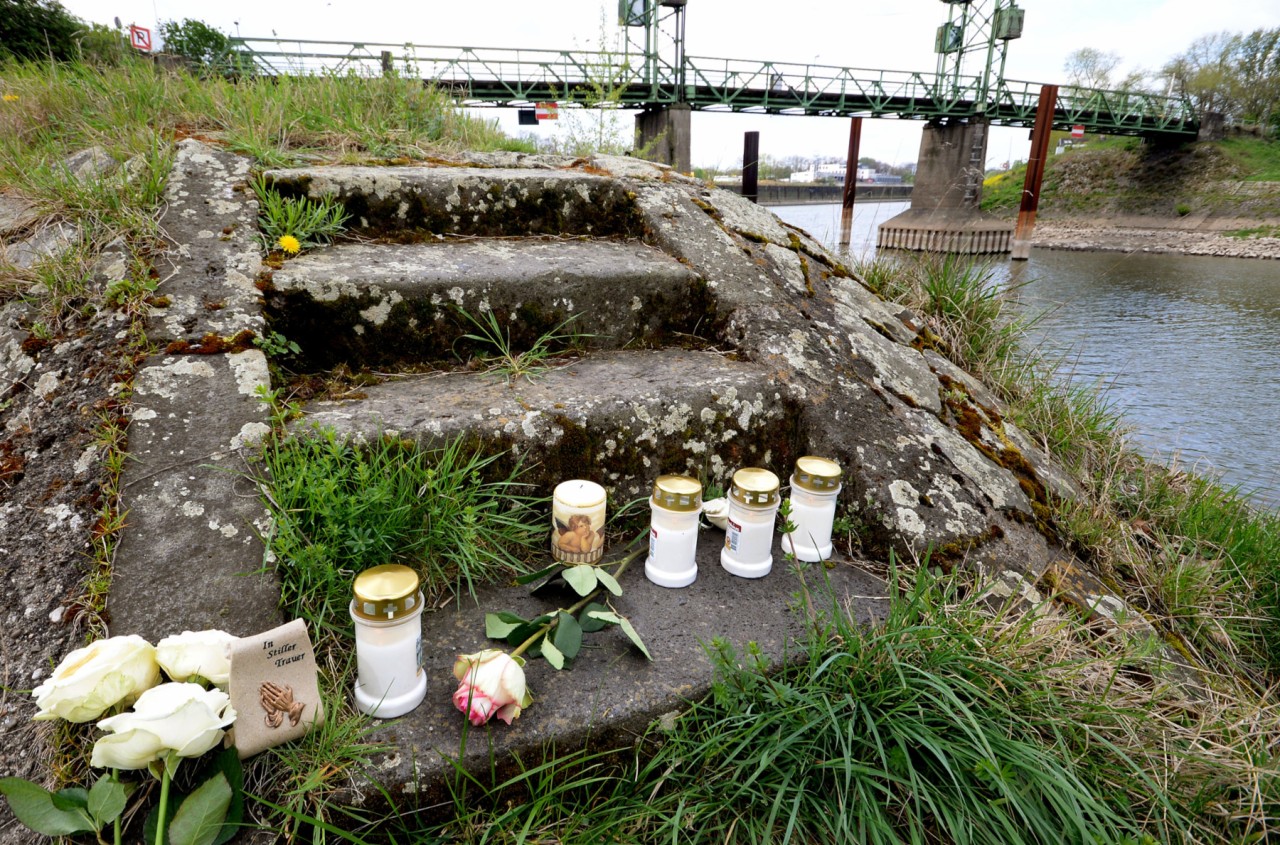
(51, 492)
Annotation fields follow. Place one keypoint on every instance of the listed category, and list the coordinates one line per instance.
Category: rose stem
(555, 620)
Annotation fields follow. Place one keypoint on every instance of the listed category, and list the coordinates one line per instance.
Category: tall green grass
(286, 120)
(948, 721)
(339, 508)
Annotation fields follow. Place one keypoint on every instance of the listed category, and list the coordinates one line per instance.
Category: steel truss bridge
(517, 77)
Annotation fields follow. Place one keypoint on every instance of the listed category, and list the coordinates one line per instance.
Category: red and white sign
(547, 111)
(140, 38)
(1077, 131)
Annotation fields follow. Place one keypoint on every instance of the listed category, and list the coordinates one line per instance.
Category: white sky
(881, 34)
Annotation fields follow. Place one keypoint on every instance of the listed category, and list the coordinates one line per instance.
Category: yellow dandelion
(10, 98)
(289, 244)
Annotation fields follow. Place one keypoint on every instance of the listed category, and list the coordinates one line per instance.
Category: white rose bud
(203, 653)
(186, 719)
(91, 680)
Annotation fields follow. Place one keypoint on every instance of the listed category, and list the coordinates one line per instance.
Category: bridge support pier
(944, 214)
(662, 135)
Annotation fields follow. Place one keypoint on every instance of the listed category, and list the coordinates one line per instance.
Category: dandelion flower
(289, 244)
(10, 98)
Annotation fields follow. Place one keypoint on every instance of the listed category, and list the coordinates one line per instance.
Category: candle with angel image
(577, 522)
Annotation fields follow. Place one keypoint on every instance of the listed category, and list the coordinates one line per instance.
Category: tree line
(1234, 74)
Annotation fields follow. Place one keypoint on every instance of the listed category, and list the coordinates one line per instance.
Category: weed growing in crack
(295, 223)
(511, 364)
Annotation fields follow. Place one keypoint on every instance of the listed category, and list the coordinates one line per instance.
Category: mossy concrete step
(486, 201)
(621, 418)
(395, 304)
(612, 693)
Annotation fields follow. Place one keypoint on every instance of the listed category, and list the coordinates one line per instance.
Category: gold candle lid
(385, 592)
(821, 475)
(677, 493)
(754, 487)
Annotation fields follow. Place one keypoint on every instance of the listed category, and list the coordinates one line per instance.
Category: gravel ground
(1105, 236)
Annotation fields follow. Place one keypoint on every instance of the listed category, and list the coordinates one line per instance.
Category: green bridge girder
(513, 77)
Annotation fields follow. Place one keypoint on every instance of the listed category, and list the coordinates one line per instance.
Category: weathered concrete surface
(944, 215)
(185, 563)
(212, 218)
(869, 398)
(930, 471)
(194, 523)
(612, 693)
(379, 305)
(469, 200)
(622, 417)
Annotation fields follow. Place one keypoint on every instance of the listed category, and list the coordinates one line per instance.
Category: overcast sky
(880, 34)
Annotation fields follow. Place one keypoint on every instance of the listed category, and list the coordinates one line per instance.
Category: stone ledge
(612, 693)
(622, 418)
(367, 304)
(193, 542)
(468, 200)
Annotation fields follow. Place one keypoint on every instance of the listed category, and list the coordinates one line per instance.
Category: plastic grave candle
(815, 485)
(387, 611)
(673, 531)
(577, 522)
(753, 505)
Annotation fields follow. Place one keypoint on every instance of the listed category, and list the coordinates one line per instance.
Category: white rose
(186, 719)
(203, 653)
(91, 680)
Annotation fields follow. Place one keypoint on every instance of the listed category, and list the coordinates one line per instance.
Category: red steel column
(1035, 172)
(850, 180)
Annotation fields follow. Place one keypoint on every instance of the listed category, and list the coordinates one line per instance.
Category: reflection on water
(1187, 348)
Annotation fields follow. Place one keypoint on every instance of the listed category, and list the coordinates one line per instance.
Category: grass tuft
(340, 509)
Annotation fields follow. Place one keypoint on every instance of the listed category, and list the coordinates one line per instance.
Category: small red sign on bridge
(547, 111)
(140, 38)
(1077, 131)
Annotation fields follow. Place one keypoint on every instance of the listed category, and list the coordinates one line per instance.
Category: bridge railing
(787, 88)
(493, 72)
(1120, 112)
(512, 75)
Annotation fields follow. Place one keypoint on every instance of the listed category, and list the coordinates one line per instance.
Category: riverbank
(1154, 235)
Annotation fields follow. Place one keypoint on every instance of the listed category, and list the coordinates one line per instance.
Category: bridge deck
(499, 76)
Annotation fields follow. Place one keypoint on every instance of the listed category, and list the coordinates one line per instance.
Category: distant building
(828, 171)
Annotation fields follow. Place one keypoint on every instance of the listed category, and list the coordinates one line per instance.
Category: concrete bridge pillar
(662, 135)
(944, 215)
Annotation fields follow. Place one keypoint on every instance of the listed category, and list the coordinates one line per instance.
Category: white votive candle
(387, 611)
(673, 531)
(753, 507)
(815, 486)
(577, 522)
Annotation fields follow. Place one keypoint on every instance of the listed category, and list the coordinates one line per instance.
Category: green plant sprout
(509, 363)
(306, 221)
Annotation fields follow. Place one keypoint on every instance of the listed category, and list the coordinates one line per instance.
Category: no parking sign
(140, 38)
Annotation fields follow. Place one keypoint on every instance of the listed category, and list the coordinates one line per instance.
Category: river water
(1186, 348)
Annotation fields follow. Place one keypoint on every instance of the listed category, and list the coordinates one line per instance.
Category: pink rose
(491, 682)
